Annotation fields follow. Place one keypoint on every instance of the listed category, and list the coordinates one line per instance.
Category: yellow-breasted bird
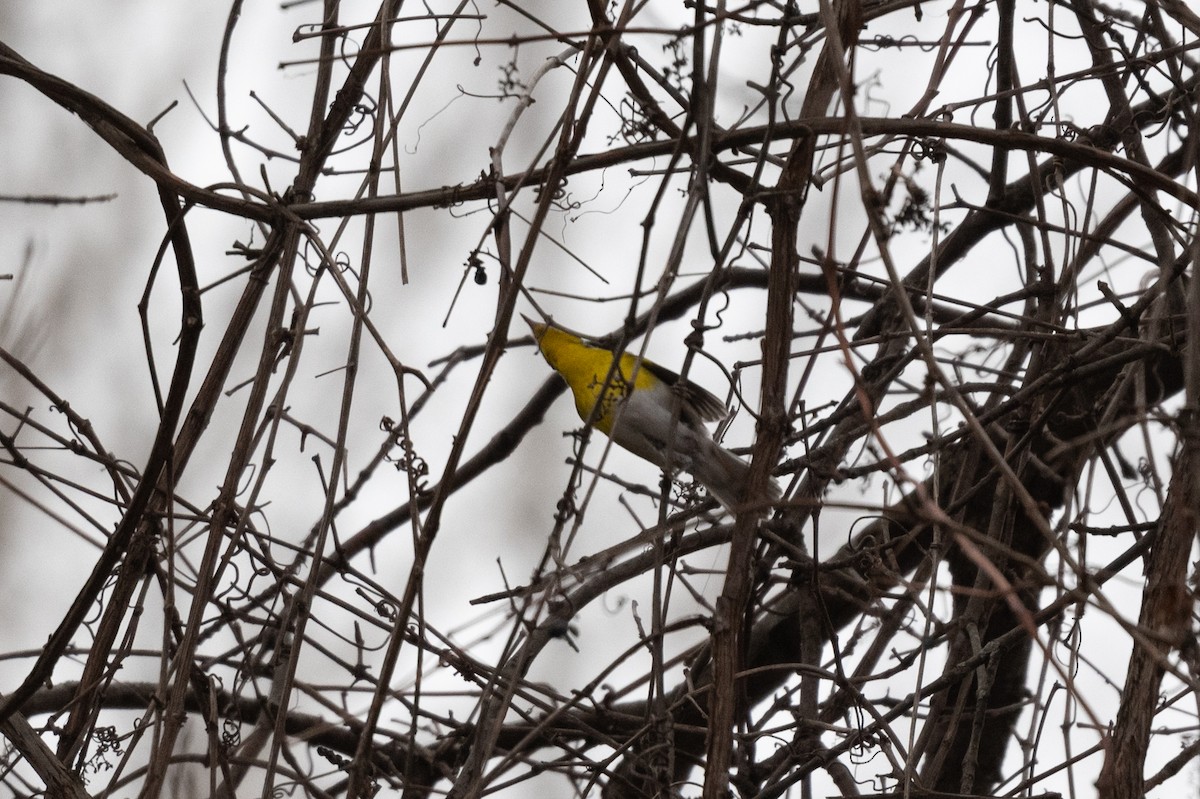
(637, 409)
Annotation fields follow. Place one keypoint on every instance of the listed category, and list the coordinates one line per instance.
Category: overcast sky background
(70, 312)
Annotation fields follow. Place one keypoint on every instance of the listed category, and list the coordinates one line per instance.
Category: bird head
(562, 350)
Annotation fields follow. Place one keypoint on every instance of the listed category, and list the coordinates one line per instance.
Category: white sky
(82, 270)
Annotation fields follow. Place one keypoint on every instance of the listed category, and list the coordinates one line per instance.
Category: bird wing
(699, 403)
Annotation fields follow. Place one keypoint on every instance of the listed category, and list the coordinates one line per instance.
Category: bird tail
(725, 475)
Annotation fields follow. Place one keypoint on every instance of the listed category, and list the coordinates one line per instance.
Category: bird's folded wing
(698, 402)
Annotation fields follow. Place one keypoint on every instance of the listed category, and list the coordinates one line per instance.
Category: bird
(638, 405)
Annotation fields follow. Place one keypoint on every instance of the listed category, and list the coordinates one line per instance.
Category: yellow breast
(585, 369)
